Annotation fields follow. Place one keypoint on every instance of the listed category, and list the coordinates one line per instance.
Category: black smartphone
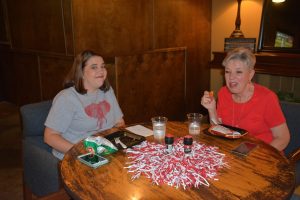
(244, 148)
(92, 160)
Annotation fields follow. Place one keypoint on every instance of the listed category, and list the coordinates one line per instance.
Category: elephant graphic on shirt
(98, 111)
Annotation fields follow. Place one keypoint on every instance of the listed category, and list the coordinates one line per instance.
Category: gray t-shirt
(78, 116)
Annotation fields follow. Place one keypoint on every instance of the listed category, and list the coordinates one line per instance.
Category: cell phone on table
(92, 160)
(244, 148)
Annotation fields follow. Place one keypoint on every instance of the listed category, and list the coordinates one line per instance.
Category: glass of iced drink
(194, 123)
(159, 128)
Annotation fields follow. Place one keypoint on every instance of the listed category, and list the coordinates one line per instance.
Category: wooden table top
(264, 174)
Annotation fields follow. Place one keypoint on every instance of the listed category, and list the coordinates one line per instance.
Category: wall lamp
(278, 1)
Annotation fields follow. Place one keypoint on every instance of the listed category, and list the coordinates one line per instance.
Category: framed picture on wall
(232, 43)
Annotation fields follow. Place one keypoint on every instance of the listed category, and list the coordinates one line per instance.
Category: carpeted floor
(10, 153)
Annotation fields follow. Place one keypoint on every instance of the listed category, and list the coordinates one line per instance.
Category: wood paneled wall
(122, 27)
(146, 88)
(38, 40)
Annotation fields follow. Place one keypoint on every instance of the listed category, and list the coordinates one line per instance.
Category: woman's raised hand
(208, 101)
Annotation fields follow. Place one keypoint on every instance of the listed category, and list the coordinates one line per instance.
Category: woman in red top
(247, 105)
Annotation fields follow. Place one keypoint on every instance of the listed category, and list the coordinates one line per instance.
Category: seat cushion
(41, 173)
(33, 118)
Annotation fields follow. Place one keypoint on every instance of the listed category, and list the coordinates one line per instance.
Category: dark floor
(10, 153)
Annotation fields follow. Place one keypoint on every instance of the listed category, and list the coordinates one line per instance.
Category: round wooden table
(264, 174)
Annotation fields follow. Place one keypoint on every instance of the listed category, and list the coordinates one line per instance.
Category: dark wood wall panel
(27, 77)
(112, 75)
(187, 23)
(7, 71)
(121, 27)
(67, 17)
(20, 77)
(52, 72)
(3, 25)
(148, 85)
(36, 25)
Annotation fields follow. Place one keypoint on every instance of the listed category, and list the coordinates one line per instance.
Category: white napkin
(140, 130)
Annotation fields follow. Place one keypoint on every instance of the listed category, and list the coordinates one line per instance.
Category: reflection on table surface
(264, 174)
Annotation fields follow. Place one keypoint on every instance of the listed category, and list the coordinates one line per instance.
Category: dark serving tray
(243, 132)
(126, 137)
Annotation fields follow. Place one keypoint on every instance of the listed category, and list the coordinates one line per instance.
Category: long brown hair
(75, 75)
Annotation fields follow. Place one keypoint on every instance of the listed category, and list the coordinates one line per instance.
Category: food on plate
(222, 130)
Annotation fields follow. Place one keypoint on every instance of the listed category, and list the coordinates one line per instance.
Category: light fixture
(237, 33)
(278, 1)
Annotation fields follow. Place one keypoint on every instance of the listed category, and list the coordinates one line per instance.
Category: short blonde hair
(242, 54)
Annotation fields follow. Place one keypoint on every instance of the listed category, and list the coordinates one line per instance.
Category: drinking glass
(159, 128)
(194, 123)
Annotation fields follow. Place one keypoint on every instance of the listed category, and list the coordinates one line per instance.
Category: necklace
(240, 99)
(237, 112)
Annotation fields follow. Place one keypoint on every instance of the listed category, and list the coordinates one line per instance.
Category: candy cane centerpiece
(176, 168)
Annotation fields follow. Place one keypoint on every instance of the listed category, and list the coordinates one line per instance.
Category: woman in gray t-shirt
(88, 105)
